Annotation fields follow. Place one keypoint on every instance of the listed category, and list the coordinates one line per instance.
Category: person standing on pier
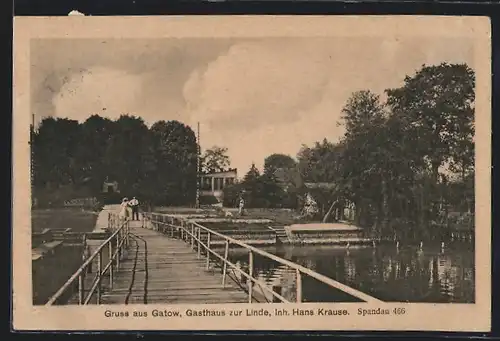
(124, 207)
(134, 203)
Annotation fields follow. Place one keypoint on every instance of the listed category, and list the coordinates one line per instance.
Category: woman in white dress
(124, 210)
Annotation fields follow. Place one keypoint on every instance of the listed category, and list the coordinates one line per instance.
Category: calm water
(408, 275)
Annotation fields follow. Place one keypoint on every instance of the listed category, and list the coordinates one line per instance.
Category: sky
(254, 96)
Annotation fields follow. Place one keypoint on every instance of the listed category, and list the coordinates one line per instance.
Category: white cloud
(105, 91)
(257, 84)
(260, 97)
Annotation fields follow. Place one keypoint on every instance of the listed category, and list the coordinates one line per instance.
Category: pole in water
(421, 245)
(397, 245)
(373, 243)
(442, 247)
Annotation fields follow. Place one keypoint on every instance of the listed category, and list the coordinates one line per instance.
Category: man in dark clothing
(134, 204)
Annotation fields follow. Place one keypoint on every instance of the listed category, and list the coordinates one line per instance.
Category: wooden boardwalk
(159, 269)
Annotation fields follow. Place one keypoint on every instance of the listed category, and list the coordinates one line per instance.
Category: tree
(275, 162)
(54, 145)
(321, 164)
(176, 151)
(157, 164)
(438, 102)
(123, 157)
(215, 159)
(95, 134)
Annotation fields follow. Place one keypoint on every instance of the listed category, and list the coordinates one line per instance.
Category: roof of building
(231, 171)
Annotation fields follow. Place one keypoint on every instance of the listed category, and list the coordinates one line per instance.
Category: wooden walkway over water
(158, 269)
(169, 259)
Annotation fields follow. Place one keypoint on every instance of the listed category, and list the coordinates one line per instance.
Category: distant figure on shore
(134, 204)
(241, 206)
(124, 209)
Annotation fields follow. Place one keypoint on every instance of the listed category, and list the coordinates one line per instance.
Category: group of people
(129, 208)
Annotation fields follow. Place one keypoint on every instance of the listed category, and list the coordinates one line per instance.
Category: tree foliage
(391, 161)
(215, 159)
(158, 164)
(276, 162)
(260, 190)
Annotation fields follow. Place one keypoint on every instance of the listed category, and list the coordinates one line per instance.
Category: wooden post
(127, 232)
(99, 276)
(224, 265)
(250, 280)
(110, 244)
(192, 235)
(119, 250)
(172, 227)
(81, 289)
(199, 242)
(299, 286)
(208, 250)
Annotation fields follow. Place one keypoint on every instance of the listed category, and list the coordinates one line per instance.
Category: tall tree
(95, 134)
(365, 156)
(124, 152)
(438, 102)
(55, 144)
(215, 159)
(276, 161)
(176, 154)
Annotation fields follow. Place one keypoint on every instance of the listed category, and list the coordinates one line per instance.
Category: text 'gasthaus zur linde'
(266, 312)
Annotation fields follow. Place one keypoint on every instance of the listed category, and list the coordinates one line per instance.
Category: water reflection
(386, 272)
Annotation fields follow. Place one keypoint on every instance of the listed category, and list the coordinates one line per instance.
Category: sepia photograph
(288, 173)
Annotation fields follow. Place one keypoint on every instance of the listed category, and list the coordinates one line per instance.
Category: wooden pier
(165, 270)
(171, 260)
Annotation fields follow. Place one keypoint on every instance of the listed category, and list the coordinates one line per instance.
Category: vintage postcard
(252, 173)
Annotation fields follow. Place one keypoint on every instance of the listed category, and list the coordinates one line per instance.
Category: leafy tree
(54, 147)
(176, 154)
(157, 164)
(275, 162)
(215, 159)
(123, 157)
(95, 134)
(438, 102)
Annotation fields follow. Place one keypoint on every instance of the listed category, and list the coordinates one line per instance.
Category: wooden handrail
(121, 236)
(253, 250)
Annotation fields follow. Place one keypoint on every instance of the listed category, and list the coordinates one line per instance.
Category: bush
(208, 200)
(232, 195)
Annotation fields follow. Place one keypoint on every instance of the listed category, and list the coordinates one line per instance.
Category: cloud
(272, 96)
(255, 97)
(256, 84)
(106, 91)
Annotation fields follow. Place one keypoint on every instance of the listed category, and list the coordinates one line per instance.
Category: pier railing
(199, 237)
(114, 244)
